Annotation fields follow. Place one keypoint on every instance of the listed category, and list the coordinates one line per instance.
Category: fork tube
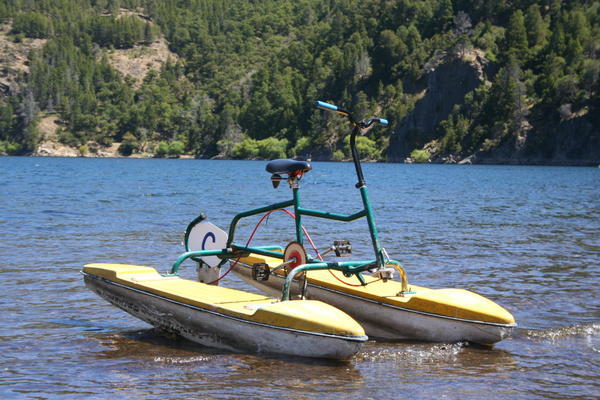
(364, 193)
(299, 233)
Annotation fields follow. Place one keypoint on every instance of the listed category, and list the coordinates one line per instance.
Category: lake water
(526, 237)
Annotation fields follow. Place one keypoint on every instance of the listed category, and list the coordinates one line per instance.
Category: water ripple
(525, 237)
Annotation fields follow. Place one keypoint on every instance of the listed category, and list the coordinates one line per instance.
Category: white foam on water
(182, 360)
(587, 331)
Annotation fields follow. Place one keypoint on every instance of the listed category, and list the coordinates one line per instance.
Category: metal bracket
(384, 274)
(276, 180)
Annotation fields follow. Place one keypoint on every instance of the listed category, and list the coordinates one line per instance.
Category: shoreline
(531, 163)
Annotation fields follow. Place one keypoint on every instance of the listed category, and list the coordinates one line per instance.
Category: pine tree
(443, 15)
(537, 32)
(516, 37)
(462, 32)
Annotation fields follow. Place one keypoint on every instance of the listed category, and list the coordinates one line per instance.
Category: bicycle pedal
(261, 272)
(342, 248)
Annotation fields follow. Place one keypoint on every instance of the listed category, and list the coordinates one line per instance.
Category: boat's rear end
(227, 318)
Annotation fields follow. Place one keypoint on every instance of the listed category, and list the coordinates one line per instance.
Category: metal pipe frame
(348, 268)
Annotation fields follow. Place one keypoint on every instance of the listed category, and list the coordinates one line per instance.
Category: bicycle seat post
(294, 170)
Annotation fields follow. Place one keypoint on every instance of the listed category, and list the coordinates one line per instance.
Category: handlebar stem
(356, 157)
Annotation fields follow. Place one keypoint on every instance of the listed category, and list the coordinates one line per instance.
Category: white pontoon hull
(387, 321)
(218, 330)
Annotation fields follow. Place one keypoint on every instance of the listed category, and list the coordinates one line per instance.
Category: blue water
(526, 237)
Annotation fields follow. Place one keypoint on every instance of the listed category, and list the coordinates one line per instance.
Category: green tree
(129, 145)
(4, 12)
(33, 25)
(444, 15)
(507, 105)
(462, 31)
(516, 37)
(537, 31)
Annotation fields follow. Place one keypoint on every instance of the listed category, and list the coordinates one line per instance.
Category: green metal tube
(299, 232)
(250, 213)
(348, 267)
(199, 253)
(330, 215)
(263, 251)
(285, 295)
(233, 252)
(364, 193)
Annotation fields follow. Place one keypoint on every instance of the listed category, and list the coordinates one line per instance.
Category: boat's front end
(227, 318)
(386, 311)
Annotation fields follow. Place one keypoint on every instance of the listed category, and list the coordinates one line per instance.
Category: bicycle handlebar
(330, 107)
(381, 121)
(358, 127)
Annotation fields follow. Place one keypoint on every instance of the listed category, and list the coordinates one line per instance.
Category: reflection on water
(525, 237)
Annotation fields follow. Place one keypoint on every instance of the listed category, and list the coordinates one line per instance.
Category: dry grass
(138, 61)
(14, 59)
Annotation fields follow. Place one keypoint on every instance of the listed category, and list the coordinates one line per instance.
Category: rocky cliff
(447, 85)
(572, 141)
(545, 136)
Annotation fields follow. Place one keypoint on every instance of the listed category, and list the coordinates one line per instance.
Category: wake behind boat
(227, 318)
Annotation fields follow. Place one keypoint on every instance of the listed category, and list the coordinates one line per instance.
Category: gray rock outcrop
(447, 85)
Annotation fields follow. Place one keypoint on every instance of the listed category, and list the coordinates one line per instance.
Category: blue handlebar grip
(383, 121)
(325, 106)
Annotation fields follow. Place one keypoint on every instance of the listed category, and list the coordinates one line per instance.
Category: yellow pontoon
(227, 318)
(387, 311)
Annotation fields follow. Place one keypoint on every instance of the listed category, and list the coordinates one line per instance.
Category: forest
(246, 74)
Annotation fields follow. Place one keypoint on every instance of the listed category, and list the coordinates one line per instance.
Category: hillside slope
(482, 82)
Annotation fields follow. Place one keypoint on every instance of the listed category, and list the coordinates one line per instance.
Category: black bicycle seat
(286, 166)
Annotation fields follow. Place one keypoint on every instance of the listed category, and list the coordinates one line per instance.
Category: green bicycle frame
(349, 268)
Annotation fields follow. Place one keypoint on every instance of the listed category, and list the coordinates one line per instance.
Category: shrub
(67, 138)
(247, 148)
(302, 146)
(176, 148)
(419, 156)
(271, 148)
(268, 148)
(162, 149)
(105, 141)
(367, 148)
(129, 145)
(13, 149)
(338, 155)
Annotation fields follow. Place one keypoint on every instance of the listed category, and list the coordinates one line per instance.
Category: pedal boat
(387, 312)
(227, 318)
